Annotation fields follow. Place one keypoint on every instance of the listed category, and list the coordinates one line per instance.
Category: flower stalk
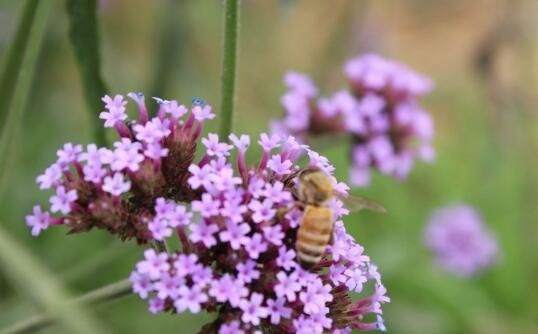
(21, 82)
(84, 38)
(229, 67)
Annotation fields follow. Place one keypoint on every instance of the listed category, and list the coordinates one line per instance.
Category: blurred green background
(483, 56)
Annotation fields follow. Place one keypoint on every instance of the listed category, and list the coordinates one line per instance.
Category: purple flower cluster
(236, 223)
(238, 250)
(116, 189)
(380, 112)
(460, 241)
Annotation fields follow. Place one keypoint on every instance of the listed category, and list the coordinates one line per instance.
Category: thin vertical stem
(14, 55)
(229, 64)
(84, 36)
(22, 82)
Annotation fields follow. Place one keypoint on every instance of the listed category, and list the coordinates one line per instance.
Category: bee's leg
(281, 212)
(331, 239)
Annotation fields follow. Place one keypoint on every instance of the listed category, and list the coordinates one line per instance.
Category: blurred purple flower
(460, 241)
(380, 113)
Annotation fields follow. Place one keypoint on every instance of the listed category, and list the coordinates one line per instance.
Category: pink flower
(63, 200)
(190, 299)
(253, 310)
(115, 110)
(39, 221)
(116, 185)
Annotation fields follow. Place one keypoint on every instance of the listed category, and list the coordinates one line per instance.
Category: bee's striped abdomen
(313, 235)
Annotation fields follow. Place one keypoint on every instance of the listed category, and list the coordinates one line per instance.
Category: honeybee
(315, 190)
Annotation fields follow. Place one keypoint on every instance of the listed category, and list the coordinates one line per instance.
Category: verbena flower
(380, 113)
(461, 242)
(116, 189)
(236, 221)
(238, 253)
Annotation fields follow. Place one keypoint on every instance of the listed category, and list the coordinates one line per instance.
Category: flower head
(380, 114)
(460, 240)
(115, 188)
(245, 249)
(237, 223)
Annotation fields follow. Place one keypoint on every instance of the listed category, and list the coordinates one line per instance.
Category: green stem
(172, 39)
(13, 60)
(84, 36)
(96, 297)
(22, 83)
(229, 64)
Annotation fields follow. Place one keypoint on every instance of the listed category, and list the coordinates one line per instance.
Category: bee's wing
(356, 203)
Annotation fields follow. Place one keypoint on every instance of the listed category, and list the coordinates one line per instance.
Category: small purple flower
(269, 142)
(154, 265)
(278, 166)
(94, 173)
(174, 109)
(235, 234)
(190, 299)
(207, 206)
(68, 154)
(202, 113)
(92, 155)
(156, 305)
(277, 310)
(186, 265)
(116, 185)
(301, 83)
(63, 200)
(168, 286)
(263, 211)
(242, 143)
(126, 159)
(252, 308)
(39, 221)
(222, 289)
(273, 234)
(247, 272)
(214, 147)
(200, 176)
(160, 229)
(287, 286)
(203, 232)
(52, 175)
(286, 258)
(179, 216)
(276, 193)
(115, 110)
(142, 285)
(255, 245)
(155, 151)
(233, 327)
(460, 240)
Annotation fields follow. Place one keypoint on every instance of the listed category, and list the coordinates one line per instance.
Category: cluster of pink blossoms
(380, 113)
(460, 240)
(115, 189)
(237, 224)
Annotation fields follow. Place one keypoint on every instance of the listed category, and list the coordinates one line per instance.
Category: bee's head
(315, 187)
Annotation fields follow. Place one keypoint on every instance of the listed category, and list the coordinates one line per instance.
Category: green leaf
(32, 277)
(13, 60)
(21, 82)
(84, 36)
